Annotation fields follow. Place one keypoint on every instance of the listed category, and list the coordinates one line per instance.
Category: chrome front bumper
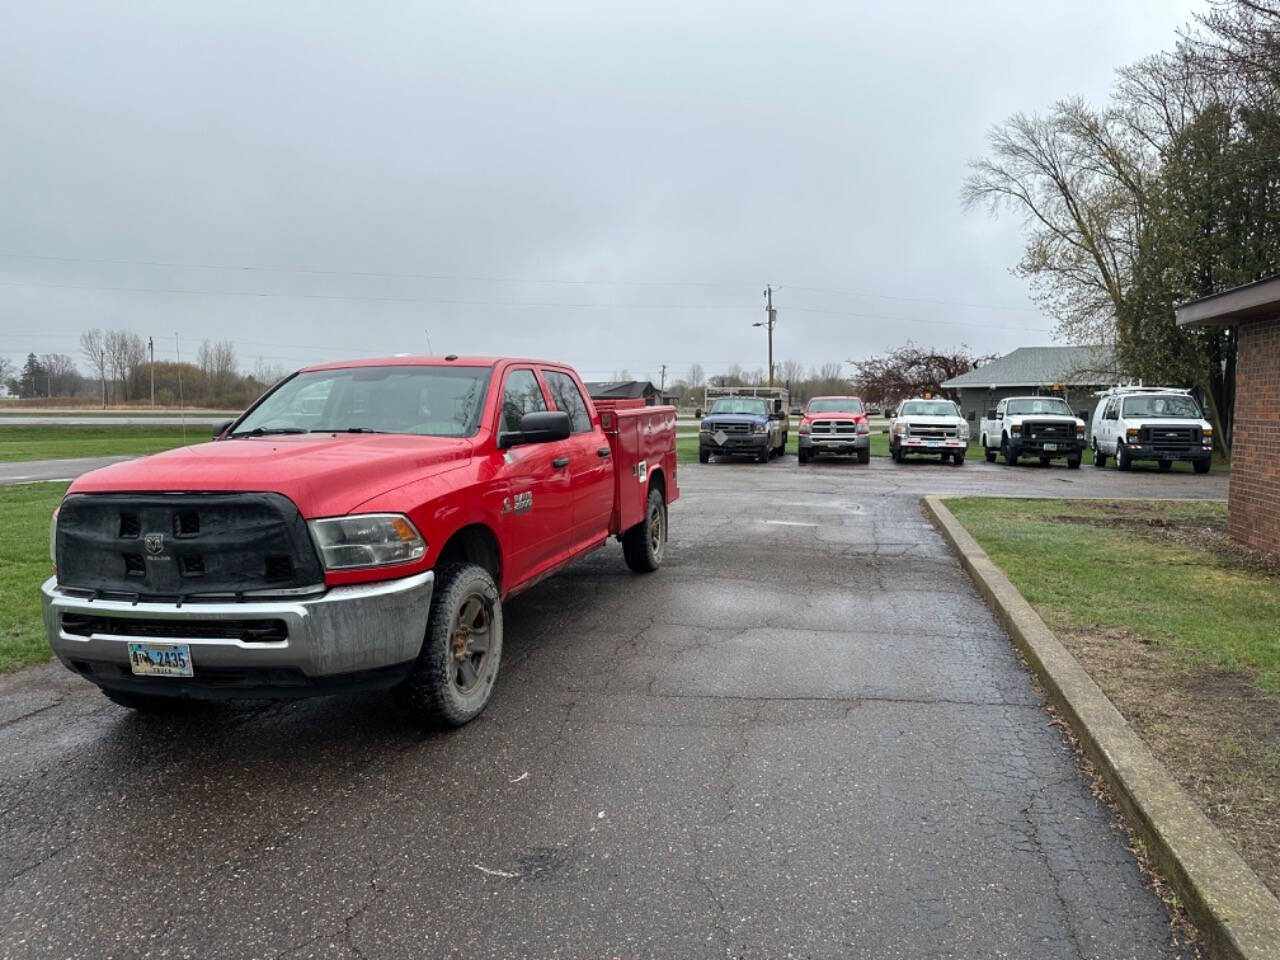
(347, 631)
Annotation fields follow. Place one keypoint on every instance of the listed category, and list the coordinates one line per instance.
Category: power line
(883, 296)
(955, 323)
(369, 273)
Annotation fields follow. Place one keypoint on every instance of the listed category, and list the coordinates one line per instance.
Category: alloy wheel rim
(471, 640)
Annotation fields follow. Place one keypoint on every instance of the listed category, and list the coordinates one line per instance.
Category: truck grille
(731, 428)
(932, 431)
(184, 546)
(1050, 431)
(1169, 438)
(827, 428)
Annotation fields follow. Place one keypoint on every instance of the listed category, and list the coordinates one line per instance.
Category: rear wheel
(1099, 458)
(453, 679)
(990, 452)
(643, 544)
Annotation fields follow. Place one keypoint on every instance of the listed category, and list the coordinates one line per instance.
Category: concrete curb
(1235, 912)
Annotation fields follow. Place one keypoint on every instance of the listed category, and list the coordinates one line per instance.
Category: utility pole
(772, 316)
(663, 387)
(151, 345)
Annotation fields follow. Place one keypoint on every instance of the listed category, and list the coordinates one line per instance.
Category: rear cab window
(567, 397)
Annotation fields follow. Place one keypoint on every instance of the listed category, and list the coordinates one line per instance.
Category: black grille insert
(223, 544)
(246, 631)
(130, 526)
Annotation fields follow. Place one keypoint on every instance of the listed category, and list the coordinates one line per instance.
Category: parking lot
(805, 736)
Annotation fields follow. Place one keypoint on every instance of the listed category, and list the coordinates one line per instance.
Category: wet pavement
(804, 737)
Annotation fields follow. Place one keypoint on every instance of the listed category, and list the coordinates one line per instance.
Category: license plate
(160, 659)
(933, 443)
(1051, 446)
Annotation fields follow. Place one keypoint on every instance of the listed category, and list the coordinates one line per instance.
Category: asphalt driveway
(804, 737)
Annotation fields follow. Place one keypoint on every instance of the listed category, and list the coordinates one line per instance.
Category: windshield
(929, 408)
(751, 406)
(1054, 405)
(423, 401)
(1176, 406)
(834, 405)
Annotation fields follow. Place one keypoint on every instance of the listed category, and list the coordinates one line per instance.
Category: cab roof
(406, 360)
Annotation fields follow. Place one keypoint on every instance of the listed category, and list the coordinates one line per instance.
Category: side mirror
(220, 428)
(541, 427)
(991, 415)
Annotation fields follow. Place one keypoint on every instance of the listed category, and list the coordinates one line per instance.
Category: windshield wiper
(267, 431)
(349, 430)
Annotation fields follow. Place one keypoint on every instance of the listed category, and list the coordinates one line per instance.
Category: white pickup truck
(928, 426)
(1044, 427)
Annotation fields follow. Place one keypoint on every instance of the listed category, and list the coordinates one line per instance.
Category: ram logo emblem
(154, 543)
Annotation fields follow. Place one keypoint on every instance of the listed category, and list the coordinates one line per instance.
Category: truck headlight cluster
(804, 429)
(705, 426)
(367, 540)
(963, 432)
(53, 540)
(1015, 428)
(1132, 433)
(1079, 429)
(864, 427)
(1207, 433)
(762, 428)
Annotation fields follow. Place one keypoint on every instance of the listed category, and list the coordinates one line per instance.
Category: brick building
(1253, 505)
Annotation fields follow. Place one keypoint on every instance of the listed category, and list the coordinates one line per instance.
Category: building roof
(1043, 367)
(1259, 300)
(620, 389)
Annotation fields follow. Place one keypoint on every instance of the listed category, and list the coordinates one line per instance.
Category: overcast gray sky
(607, 184)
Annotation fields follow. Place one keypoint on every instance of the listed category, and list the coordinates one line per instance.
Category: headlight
(964, 431)
(864, 427)
(899, 429)
(705, 426)
(1015, 428)
(1132, 433)
(762, 428)
(804, 429)
(53, 539)
(367, 540)
(1207, 433)
(1079, 429)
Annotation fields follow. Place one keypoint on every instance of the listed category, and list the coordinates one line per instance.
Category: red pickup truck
(358, 527)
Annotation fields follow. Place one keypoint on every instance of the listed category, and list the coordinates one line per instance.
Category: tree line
(118, 371)
(1167, 193)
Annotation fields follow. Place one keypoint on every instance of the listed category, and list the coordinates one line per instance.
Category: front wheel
(1010, 457)
(990, 452)
(704, 455)
(764, 454)
(454, 676)
(1202, 466)
(1165, 466)
(957, 458)
(1123, 460)
(1073, 463)
(864, 455)
(643, 544)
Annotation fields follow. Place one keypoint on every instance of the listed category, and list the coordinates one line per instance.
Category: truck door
(590, 462)
(534, 509)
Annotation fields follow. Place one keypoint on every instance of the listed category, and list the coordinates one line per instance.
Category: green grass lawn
(61, 443)
(24, 565)
(1125, 565)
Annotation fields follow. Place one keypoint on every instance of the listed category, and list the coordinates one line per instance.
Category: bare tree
(61, 372)
(217, 361)
(696, 375)
(7, 370)
(93, 345)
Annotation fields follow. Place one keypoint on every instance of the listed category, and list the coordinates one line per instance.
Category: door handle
(559, 462)
(603, 452)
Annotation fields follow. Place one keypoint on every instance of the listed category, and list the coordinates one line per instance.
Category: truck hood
(922, 418)
(1159, 422)
(815, 417)
(324, 474)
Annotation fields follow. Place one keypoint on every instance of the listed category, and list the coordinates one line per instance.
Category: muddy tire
(454, 677)
(644, 544)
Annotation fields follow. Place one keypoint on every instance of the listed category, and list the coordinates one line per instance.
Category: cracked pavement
(798, 739)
